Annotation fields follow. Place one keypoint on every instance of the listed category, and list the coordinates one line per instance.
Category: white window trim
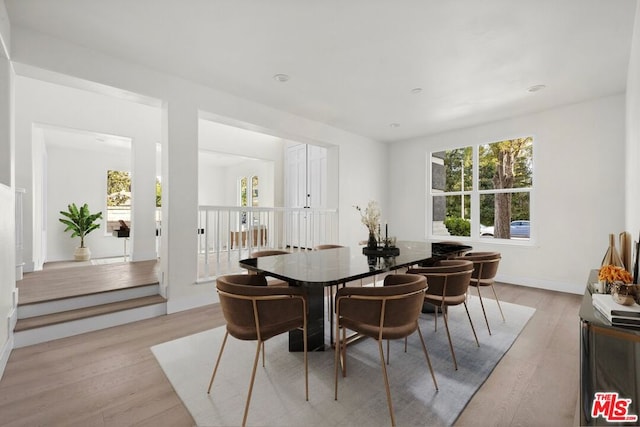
(475, 198)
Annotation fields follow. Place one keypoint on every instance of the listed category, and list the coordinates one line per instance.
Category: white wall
(7, 197)
(632, 180)
(183, 103)
(218, 184)
(43, 103)
(578, 199)
(358, 157)
(214, 137)
(212, 182)
(91, 164)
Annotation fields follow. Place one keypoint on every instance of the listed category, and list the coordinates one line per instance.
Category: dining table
(316, 269)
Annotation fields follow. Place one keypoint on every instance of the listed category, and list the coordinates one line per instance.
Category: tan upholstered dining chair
(382, 313)
(257, 312)
(485, 268)
(270, 252)
(448, 281)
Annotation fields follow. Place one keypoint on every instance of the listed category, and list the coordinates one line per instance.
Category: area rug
(278, 394)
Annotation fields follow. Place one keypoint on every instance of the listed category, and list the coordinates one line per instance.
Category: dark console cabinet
(609, 361)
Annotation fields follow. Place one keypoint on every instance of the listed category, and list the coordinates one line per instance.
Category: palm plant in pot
(80, 222)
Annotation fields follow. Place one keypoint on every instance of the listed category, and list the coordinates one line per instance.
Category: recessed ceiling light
(416, 90)
(395, 125)
(281, 78)
(536, 88)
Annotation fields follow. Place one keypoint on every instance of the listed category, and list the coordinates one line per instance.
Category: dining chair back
(383, 312)
(257, 312)
(448, 282)
(326, 246)
(270, 252)
(485, 268)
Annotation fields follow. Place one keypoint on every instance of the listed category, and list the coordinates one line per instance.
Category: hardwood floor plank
(50, 285)
(111, 378)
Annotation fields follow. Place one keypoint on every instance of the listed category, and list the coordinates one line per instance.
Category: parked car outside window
(519, 228)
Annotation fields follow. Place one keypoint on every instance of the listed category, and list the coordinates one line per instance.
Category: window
(118, 199)
(248, 192)
(486, 188)
(254, 191)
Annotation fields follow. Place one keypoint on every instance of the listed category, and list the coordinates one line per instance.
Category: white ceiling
(353, 64)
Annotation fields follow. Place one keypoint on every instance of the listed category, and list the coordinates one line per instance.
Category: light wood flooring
(111, 378)
(58, 283)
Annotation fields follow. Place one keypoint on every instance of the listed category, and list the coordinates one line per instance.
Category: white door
(306, 187)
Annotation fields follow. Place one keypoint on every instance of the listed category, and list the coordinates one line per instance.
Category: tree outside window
(248, 194)
(497, 201)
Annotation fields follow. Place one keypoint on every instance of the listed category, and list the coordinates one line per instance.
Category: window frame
(475, 194)
(105, 217)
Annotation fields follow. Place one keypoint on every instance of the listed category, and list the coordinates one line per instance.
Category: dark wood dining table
(315, 270)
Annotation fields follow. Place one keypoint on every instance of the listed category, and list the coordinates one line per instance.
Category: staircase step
(42, 308)
(86, 312)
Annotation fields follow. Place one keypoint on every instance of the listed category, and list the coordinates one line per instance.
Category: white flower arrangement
(370, 216)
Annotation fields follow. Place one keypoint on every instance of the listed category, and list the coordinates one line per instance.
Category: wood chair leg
(215, 369)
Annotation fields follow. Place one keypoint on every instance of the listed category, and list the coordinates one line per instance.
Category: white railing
(227, 234)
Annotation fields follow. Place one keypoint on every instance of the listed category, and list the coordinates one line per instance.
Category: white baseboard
(143, 256)
(12, 319)
(5, 353)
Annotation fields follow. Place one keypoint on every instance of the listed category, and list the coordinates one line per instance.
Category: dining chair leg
(337, 357)
(426, 355)
(498, 301)
(343, 352)
(446, 326)
(306, 361)
(386, 382)
(253, 377)
(263, 354)
(483, 311)
(330, 291)
(471, 323)
(215, 369)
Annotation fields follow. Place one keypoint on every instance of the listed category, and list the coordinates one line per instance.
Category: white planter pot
(82, 254)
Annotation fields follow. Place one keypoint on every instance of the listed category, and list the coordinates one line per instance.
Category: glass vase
(372, 243)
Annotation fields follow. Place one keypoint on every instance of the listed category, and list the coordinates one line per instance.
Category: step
(42, 308)
(53, 326)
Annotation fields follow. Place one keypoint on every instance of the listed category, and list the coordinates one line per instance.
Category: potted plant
(80, 222)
